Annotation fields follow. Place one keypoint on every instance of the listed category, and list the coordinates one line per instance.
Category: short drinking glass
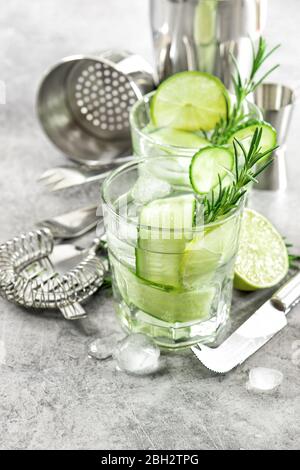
(172, 273)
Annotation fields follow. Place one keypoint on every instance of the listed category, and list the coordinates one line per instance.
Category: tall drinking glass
(172, 272)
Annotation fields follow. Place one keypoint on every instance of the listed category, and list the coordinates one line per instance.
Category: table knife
(268, 320)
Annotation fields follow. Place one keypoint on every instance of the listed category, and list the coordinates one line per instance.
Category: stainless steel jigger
(276, 103)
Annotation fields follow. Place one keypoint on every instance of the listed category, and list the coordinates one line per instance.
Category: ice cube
(102, 348)
(137, 354)
(264, 379)
(147, 188)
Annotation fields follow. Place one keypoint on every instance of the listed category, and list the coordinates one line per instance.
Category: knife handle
(288, 295)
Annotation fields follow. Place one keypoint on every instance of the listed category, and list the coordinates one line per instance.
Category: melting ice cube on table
(137, 354)
(102, 348)
(264, 379)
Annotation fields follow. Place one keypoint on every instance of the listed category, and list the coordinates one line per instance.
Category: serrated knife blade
(268, 320)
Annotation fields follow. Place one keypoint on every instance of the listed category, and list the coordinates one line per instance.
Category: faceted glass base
(176, 335)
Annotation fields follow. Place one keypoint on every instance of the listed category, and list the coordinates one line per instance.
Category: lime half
(189, 101)
(208, 165)
(262, 259)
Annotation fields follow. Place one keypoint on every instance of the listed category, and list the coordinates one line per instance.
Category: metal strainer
(83, 103)
(28, 277)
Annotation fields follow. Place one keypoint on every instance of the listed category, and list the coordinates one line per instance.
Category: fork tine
(61, 184)
(47, 174)
(53, 179)
(66, 177)
(59, 170)
(50, 185)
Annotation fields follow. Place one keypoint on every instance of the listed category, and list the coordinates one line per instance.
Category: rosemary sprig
(221, 201)
(242, 88)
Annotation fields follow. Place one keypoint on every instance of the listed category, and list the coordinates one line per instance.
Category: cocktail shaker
(201, 34)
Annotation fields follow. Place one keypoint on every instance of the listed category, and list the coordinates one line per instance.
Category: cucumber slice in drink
(189, 101)
(245, 134)
(166, 223)
(207, 252)
(165, 227)
(166, 305)
(159, 268)
(178, 138)
(208, 165)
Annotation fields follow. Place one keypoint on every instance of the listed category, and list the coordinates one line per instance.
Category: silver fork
(63, 177)
(73, 224)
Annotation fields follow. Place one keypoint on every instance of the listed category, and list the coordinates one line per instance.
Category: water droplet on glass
(264, 379)
(102, 348)
(137, 354)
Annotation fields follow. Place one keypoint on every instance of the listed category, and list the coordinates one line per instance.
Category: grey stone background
(51, 394)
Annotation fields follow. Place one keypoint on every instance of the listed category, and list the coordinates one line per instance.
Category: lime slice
(207, 252)
(189, 101)
(245, 134)
(208, 165)
(178, 138)
(262, 259)
(198, 264)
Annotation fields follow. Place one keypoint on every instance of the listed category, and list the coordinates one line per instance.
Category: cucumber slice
(189, 101)
(245, 134)
(207, 252)
(166, 226)
(167, 223)
(167, 305)
(158, 268)
(208, 165)
(178, 138)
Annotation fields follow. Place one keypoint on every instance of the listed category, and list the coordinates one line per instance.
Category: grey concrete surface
(51, 394)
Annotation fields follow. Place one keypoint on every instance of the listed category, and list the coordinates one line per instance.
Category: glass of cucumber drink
(173, 237)
(173, 216)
